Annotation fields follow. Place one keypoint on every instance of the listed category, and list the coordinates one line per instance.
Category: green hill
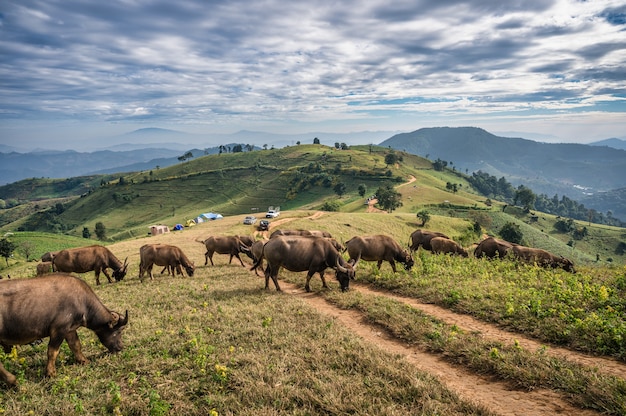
(299, 177)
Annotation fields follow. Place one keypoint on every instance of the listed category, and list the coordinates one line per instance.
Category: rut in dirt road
(495, 395)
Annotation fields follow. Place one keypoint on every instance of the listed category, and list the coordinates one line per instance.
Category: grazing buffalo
(299, 254)
(171, 257)
(378, 248)
(231, 245)
(85, 259)
(256, 251)
(44, 267)
(309, 233)
(542, 258)
(54, 306)
(48, 256)
(421, 238)
(442, 245)
(492, 247)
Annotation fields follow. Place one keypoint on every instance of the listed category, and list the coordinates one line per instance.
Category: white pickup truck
(272, 213)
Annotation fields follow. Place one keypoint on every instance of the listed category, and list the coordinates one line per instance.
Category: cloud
(249, 64)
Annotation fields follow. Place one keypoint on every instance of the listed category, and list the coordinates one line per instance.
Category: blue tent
(178, 227)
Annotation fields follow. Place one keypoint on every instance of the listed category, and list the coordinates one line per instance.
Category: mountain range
(593, 174)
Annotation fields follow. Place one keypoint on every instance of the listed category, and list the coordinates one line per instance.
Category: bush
(331, 206)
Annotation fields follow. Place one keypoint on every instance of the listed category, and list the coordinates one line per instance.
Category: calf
(54, 306)
(171, 257)
(44, 267)
(378, 248)
(441, 245)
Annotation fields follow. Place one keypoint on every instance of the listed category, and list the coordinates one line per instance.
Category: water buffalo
(85, 259)
(378, 248)
(54, 306)
(421, 238)
(442, 245)
(171, 257)
(492, 247)
(48, 256)
(299, 254)
(256, 251)
(44, 267)
(542, 258)
(231, 245)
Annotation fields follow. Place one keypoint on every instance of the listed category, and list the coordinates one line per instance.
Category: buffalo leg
(104, 270)
(74, 342)
(97, 273)
(7, 377)
(238, 258)
(393, 265)
(324, 285)
(53, 351)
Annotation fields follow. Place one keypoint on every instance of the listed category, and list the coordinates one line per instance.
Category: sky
(76, 72)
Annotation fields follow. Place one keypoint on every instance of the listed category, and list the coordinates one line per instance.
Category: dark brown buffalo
(442, 245)
(542, 258)
(256, 251)
(54, 306)
(421, 238)
(492, 247)
(248, 240)
(171, 257)
(85, 259)
(230, 244)
(299, 254)
(310, 233)
(48, 256)
(378, 248)
(44, 267)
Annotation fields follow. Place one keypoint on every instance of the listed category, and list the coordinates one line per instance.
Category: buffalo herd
(70, 302)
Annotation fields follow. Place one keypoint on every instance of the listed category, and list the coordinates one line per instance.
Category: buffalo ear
(117, 320)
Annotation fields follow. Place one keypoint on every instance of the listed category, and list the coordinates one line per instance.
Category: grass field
(217, 343)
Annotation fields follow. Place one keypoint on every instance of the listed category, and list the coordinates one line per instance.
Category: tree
(388, 198)
(6, 249)
(100, 231)
(511, 232)
(316, 141)
(362, 189)
(86, 233)
(526, 197)
(340, 188)
(391, 158)
(237, 148)
(424, 216)
(27, 248)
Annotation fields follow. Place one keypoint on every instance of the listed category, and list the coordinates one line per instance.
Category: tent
(198, 219)
(178, 227)
(190, 223)
(211, 216)
(159, 229)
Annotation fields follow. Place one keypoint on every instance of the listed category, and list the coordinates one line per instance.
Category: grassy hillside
(294, 178)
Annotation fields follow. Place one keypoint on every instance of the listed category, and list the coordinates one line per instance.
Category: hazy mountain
(575, 170)
(614, 143)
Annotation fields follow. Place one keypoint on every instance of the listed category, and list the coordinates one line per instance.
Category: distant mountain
(574, 170)
(614, 143)
(68, 163)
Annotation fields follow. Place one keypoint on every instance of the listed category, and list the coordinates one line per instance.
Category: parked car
(272, 214)
(264, 225)
(249, 220)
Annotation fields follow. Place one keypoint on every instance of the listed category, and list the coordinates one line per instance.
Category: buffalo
(309, 233)
(44, 267)
(441, 245)
(54, 306)
(85, 259)
(171, 257)
(492, 247)
(231, 245)
(48, 256)
(542, 258)
(256, 251)
(378, 248)
(421, 238)
(299, 254)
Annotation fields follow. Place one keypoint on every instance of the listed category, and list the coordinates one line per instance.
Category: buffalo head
(110, 335)
(344, 274)
(121, 272)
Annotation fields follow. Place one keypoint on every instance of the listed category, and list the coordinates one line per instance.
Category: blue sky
(73, 72)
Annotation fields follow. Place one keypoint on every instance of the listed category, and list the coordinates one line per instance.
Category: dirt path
(498, 396)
